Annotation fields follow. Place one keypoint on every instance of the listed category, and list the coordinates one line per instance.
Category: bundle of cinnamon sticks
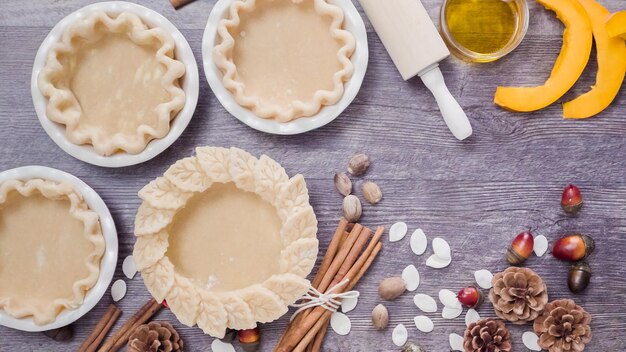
(350, 253)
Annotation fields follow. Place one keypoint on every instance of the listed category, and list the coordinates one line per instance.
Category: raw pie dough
(113, 82)
(50, 249)
(226, 238)
(284, 59)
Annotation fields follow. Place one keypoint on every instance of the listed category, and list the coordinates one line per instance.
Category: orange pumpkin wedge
(577, 42)
(616, 26)
(611, 54)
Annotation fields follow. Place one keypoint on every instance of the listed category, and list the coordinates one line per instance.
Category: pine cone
(563, 326)
(156, 336)
(518, 295)
(487, 335)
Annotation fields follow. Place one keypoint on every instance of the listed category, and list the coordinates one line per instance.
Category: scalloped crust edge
(92, 232)
(240, 306)
(223, 50)
(60, 98)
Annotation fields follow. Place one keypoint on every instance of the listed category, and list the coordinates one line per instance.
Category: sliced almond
(129, 268)
(448, 299)
(348, 304)
(397, 231)
(340, 323)
(220, 346)
(411, 277)
(118, 290)
(437, 263)
(441, 249)
(425, 303)
(423, 323)
(399, 335)
(419, 242)
(541, 245)
(531, 341)
(456, 342)
(483, 278)
(451, 312)
(471, 316)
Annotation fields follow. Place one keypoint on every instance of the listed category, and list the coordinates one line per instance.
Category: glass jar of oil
(483, 30)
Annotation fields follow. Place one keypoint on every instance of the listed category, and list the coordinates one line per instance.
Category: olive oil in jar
(483, 27)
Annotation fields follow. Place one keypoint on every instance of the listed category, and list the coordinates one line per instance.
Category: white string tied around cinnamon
(328, 300)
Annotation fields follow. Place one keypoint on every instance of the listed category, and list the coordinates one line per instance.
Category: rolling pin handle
(453, 114)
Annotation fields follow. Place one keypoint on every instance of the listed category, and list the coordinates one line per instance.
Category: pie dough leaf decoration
(214, 161)
(242, 168)
(184, 300)
(300, 257)
(188, 175)
(149, 249)
(270, 178)
(159, 278)
(150, 220)
(63, 107)
(293, 196)
(301, 225)
(46, 311)
(265, 305)
(239, 314)
(212, 317)
(288, 287)
(163, 194)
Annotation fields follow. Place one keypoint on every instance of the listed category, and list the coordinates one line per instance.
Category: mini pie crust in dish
(51, 245)
(284, 59)
(226, 238)
(113, 82)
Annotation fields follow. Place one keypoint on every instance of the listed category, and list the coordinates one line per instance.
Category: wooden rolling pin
(416, 49)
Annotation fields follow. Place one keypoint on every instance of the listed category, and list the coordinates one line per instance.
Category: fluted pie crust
(284, 59)
(113, 82)
(200, 210)
(51, 245)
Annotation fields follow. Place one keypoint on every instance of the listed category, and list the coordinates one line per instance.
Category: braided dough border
(64, 108)
(222, 55)
(240, 309)
(92, 232)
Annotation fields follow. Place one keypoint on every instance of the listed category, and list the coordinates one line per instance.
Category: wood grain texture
(476, 194)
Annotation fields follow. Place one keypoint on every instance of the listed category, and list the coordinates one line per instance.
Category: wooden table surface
(476, 194)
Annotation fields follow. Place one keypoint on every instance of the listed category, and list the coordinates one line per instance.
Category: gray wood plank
(477, 194)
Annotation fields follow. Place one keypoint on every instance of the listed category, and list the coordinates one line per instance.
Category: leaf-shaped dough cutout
(301, 225)
(288, 287)
(184, 300)
(149, 249)
(239, 314)
(266, 306)
(162, 194)
(214, 161)
(150, 220)
(159, 278)
(212, 317)
(187, 175)
(270, 177)
(242, 168)
(293, 196)
(300, 257)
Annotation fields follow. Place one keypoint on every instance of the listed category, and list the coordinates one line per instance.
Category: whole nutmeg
(352, 208)
(391, 288)
(358, 164)
(371, 192)
(343, 184)
(412, 347)
(380, 317)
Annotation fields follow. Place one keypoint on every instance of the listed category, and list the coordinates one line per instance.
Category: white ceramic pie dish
(353, 23)
(189, 83)
(109, 259)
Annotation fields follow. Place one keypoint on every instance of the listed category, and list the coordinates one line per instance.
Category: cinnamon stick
(330, 252)
(120, 338)
(101, 329)
(180, 3)
(340, 257)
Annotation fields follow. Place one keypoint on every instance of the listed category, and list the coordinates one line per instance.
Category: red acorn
(521, 248)
(470, 297)
(572, 199)
(573, 247)
(250, 339)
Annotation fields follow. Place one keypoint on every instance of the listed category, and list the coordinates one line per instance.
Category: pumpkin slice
(616, 26)
(577, 42)
(611, 54)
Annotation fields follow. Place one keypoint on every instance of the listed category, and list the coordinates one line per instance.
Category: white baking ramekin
(189, 83)
(107, 264)
(353, 23)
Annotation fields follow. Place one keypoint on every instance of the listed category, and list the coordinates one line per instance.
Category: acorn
(573, 247)
(520, 249)
(470, 296)
(572, 200)
(250, 339)
(229, 336)
(579, 277)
